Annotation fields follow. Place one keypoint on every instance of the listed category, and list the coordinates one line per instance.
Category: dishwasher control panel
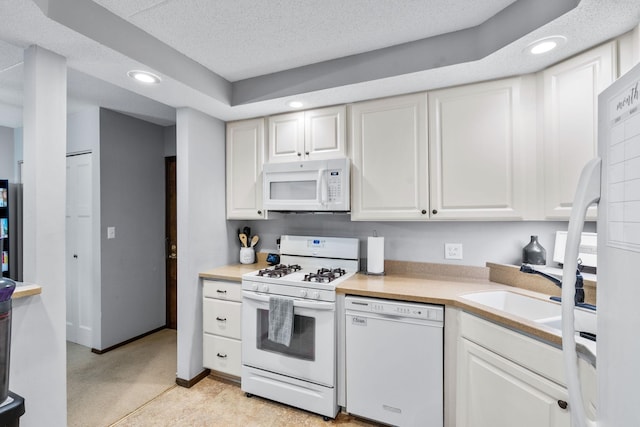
(395, 308)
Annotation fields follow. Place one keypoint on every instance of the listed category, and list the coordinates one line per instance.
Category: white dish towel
(280, 320)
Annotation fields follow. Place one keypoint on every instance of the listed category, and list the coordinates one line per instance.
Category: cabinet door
(571, 91)
(245, 154)
(390, 165)
(495, 392)
(286, 137)
(476, 151)
(324, 133)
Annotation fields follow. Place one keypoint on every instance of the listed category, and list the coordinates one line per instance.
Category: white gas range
(302, 373)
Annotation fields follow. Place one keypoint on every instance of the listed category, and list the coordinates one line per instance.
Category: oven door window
(303, 338)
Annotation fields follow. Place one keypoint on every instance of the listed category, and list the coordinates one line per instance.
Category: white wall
(203, 237)
(500, 242)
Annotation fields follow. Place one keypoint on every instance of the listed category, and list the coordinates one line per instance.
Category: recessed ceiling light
(545, 45)
(295, 104)
(144, 77)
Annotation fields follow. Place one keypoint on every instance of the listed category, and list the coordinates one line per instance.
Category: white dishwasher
(394, 361)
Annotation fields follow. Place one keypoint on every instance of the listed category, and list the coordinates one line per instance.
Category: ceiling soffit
(471, 44)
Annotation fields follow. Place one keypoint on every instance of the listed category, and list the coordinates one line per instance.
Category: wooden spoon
(243, 239)
(254, 240)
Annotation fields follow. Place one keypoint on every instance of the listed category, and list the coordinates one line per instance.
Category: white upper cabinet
(571, 90)
(476, 150)
(307, 135)
(389, 153)
(245, 154)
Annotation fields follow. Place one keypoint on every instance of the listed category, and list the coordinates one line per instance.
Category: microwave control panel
(334, 185)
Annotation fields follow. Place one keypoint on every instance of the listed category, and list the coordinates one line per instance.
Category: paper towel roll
(375, 255)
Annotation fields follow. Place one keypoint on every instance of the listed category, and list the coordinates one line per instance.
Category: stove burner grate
(279, 270)
(324, 275)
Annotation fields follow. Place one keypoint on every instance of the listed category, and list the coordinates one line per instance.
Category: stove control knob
(265, 288)
(315, 295)
(303, 293)
(254, 286)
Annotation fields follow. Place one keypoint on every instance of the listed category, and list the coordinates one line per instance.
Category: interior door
(79, 251)
(171, 243)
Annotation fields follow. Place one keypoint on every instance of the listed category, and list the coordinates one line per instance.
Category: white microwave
(313, 185)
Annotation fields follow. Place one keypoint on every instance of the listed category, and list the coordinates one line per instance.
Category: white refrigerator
(612, 181)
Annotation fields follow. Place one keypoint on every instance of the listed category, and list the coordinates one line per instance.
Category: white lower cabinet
(506, 379)
(495, 392)
(221, 324)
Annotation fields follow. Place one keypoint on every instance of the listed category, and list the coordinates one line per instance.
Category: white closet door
(79, 251)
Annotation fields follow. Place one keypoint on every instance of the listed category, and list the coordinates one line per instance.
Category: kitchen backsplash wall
(499, 242)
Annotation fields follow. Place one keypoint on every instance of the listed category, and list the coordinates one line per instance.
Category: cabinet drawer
(221, 354)
(221, 317)
(231, 291)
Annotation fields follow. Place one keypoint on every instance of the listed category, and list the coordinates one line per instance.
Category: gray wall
(500, 242)
(170, 141)
(132, 201)
(7, 166)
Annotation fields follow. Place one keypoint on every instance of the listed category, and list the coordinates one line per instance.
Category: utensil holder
(247, 255)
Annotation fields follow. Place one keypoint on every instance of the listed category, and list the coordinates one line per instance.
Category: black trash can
(7, 286)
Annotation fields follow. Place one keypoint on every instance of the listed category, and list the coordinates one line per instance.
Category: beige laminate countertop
(444, 290)
(25, 290)
(232, 273)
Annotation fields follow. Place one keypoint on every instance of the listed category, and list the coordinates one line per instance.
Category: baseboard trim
(113, 347)
(193, 381)
(224, 376)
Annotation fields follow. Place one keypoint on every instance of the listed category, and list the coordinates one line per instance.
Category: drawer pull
(220, 291)
(562, 404)
(221, 319)
(222, 355)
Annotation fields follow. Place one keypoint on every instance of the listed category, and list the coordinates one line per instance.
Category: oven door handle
(315, 305)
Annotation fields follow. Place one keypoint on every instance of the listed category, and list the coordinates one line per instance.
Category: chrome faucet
(579, 295)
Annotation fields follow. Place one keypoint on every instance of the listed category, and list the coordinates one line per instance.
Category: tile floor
(215, 402)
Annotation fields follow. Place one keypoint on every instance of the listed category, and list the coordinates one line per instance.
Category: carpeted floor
(101, 389)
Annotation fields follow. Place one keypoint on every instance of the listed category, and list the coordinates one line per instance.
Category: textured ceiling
(247, 38)
(206, 49)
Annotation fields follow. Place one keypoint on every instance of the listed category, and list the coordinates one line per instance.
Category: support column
(202, 228)
(38, 354)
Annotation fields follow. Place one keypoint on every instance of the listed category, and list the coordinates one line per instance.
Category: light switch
(111, 232)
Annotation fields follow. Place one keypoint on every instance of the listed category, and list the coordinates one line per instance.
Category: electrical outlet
(111, 232)
(453, 250)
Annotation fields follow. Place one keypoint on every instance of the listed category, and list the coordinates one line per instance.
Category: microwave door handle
(322, 187)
